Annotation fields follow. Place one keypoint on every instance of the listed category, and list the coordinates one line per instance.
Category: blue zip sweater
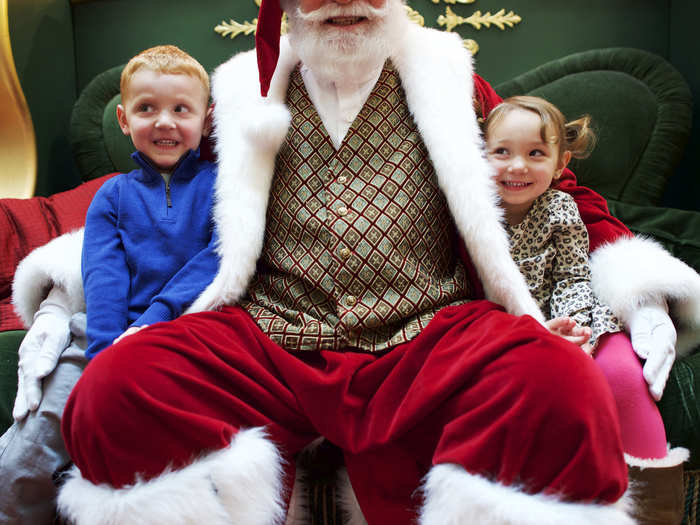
(148, 250)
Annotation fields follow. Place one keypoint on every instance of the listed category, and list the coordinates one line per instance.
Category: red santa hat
(267, 41)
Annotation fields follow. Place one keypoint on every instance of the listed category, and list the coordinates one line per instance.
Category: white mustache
(333, 10)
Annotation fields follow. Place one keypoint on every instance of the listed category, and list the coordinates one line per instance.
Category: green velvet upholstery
(97, 142)
(677, 230)
(680, 407)
(9, 342)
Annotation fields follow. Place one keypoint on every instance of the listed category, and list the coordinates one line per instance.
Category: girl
(529, 144)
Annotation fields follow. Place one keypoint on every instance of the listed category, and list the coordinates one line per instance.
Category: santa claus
(351, 177)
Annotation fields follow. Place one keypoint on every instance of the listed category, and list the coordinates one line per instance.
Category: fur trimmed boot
(453, 496)
(657, 486)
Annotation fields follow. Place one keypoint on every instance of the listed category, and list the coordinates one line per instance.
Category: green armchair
(641, 107)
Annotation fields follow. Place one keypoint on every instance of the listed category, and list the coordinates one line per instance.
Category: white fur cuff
(635, 270)
(56, 263)
(240, 484)
(454, 497)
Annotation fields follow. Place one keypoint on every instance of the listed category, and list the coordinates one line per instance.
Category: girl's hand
(567, 328)
(129, 331)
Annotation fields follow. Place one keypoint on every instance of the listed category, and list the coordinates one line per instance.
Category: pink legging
(643, 433)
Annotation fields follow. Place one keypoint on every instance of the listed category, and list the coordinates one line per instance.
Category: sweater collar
(184, 169)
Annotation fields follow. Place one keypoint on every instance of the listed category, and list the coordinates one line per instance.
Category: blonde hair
(166, 59)
(576, 136)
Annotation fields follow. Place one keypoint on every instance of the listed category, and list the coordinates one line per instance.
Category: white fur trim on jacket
(240, 484)
(249, 130)
(436, 74)
(453, 497)
(57, 263)
(633, 271)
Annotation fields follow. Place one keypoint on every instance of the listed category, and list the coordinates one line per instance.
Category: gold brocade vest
(358, 242)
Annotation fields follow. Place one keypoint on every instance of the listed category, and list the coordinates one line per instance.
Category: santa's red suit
(198, 420)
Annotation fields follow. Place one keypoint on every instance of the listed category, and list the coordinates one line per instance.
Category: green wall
(105, 33)
(129, 26)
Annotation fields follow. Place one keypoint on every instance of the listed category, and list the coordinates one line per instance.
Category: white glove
(48, 336)
(654, 339)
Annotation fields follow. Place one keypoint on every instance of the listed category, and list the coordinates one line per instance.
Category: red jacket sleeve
(601, 225)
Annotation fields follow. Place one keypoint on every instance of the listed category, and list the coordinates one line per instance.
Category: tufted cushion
(9, 342)
(98, 144)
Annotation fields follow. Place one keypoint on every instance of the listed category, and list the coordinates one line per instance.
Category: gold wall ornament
(501, 19)
(17, 141)
(450, 20)
(415, 16)
(471, 45)
(233, 28)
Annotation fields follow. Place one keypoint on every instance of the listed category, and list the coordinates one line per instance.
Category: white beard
(340, 55)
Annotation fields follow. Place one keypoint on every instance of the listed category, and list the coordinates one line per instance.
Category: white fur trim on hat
(454, 497)
(56, 263)
(240, 484)
(634, 271)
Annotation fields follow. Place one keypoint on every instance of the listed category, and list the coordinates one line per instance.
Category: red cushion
(28, 223)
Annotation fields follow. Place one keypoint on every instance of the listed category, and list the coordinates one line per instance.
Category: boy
(148, 251)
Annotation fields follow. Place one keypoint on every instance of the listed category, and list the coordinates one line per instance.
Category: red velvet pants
(480, 388)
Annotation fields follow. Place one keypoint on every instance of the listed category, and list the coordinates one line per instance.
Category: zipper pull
(167, 195)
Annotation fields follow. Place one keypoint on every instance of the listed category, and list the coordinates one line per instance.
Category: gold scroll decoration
(450, 20)
(17, 142)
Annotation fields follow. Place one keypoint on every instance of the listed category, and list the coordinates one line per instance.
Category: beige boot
(657, 486)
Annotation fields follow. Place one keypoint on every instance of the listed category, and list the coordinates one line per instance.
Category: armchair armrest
(26, 224)
(677, 230)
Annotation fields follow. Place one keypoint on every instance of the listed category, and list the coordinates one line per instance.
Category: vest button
(351, 300)
(344, 253)
(342, 211)
(342, 179)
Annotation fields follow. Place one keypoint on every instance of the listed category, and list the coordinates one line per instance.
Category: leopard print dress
(550, 246)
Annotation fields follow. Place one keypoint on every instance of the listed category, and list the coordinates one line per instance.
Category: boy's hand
(129, 331)
(567, 328)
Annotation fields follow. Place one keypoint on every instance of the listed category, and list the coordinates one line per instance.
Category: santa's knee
(563, 432)
(567, 384)
(116, 407)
